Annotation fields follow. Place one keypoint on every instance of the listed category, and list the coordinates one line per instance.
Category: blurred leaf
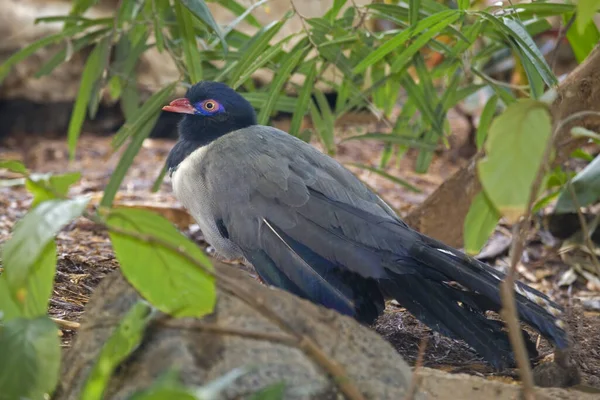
(425, 105)
(166, 278)
(159, 179)
(485, 120)
(122, 342)
(392, 138)
(254, 48)
(514, 150)
(275, 391)
(282, 103)
(242, 12)
(414, 6)
(145, 127)
(535, 80)
(392, 178)
(30, 362)
(9, 309)
(151, 107)
(193, 61)
(14, 166)
(480, 222)
(582, 155)
(584, 42)
(425, 156)
(515, 31)
(202, 12)
(324, 130)
(215, 388)
(304, 99)
(31, 235)
(92, 72)
(67, 52)
(24, 53)
(262, 59)
(431, 26)
(280, 78)
(333, 12)
(581, 132)
(586, 185)
(463, 4)
(586, 9)
(50, 187)
(35, 296)
(539, 9)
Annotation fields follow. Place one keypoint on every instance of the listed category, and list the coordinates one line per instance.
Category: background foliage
(372, 70)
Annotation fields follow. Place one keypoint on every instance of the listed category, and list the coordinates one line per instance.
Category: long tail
(432, 296)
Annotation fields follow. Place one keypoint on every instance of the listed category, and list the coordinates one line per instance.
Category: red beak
(182, 106)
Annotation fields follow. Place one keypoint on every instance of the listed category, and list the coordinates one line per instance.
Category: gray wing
(304, 221)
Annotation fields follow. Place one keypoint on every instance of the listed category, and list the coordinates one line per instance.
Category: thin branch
(304, 26)
(562, 32)
(584, 227)
(416, 378)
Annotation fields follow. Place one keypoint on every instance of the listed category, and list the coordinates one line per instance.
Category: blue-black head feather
(214, 110)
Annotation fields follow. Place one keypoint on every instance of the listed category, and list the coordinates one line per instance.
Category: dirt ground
(85, 255)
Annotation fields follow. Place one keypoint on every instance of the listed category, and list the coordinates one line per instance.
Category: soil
(85, 255)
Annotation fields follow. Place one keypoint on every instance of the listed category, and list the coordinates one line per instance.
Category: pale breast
(189, 186)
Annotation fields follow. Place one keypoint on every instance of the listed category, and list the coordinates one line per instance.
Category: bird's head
(211, 109)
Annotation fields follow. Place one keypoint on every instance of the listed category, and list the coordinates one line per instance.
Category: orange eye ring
(210, 105)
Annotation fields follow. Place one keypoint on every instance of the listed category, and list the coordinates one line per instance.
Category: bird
(310, 227)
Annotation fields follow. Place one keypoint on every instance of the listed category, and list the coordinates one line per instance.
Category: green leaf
(262, 59)
(430, 25)
(166, 387)
(202, 12)
(92, 72)
(35, 46)
(159, 179)
(282, 103)
(31, 236)
(9, 309)
(33, 300)
(480, 222)
(145, 127)
(586, 185)
(586, 9)
(50, 187)
(392, 178)
(463, 4)
(584, 42)
(242, 12)
(193, 61)
(333, 12)
(514, 150)
(324, 130)
(414, 6)
(275, 391)
(64, 55)
(393, 138)
(255, 47)
(282, 75)
(485, 120)
(516, 32)
(30, 362)
(14, 166)
(122, 342)
(303, 103)
(406, 55)
(165, 277)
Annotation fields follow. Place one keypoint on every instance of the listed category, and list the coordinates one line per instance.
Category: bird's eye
(210, 105)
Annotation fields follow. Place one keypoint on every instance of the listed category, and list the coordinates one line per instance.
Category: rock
(371, 363)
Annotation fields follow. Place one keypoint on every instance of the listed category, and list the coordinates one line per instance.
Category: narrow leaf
(390, 177)
(158, 268)
(414, 6)
(202, 12)
(586, 185)
(14, 166)
(121, 343)
(485, 120)
(282, 75)
(392, 138)
(303, 103)
(193, 62)
(91, 73)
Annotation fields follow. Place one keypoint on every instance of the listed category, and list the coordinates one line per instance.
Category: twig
(304, 27)
(416, 378)
(71, 325)
(562, 32)
(584, 227)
